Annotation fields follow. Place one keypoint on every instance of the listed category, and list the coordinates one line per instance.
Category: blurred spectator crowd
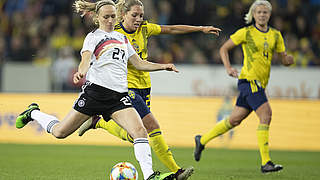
(49, 33)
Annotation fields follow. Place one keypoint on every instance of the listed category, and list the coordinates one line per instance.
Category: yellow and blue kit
(139, 82)
(258, 48)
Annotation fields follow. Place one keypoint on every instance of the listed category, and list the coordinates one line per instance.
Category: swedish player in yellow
(259, 42)
(138, 31)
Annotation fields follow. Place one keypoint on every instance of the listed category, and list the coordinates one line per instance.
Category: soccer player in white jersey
(132, 24)
(105, 55)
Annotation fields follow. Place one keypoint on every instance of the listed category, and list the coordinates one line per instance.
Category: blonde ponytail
(84, 7)
(120, 9)
(248, 17)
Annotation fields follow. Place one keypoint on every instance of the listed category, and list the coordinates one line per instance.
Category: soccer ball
(124, 171)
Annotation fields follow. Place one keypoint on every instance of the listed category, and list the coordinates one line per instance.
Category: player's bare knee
(139, 132)
(60, 134)
(265, 119)
(150, 122)
(235, 121)
(152, 126)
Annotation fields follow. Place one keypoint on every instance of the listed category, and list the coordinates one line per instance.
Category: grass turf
(67, 162)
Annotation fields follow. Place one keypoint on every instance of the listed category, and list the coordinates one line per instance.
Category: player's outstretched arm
(183, 29)
(139, 64)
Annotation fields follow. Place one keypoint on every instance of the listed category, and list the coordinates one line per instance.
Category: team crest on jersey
(135, 45)
(81, 103)
(131, 94)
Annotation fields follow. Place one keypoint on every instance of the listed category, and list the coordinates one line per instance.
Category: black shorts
(98, 100)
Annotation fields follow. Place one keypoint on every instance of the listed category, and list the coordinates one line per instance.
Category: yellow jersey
(258, 48)
(139, 41)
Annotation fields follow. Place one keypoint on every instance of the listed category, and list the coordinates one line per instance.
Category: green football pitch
(68, 162)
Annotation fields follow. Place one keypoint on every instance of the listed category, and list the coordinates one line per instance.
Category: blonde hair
(248, 17)
(84, 7)
(124, 6)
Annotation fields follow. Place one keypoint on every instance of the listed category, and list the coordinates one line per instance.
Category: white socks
(45, 120)
(142, 152)
(141, 146)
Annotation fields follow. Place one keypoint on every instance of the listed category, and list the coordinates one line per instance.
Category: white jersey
(110, 53)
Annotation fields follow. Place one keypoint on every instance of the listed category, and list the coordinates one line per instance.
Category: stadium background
(39, 50)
